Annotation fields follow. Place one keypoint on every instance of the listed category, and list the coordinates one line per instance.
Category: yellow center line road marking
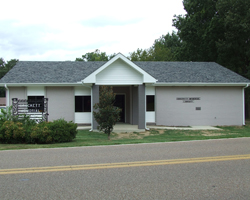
(123, 164)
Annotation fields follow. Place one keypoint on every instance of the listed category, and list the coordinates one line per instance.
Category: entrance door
(120, 103)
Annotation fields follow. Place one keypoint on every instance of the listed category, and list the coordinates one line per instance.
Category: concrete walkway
(121, 128)
(185, 128)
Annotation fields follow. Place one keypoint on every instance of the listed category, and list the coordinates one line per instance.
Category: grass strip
(87, 138)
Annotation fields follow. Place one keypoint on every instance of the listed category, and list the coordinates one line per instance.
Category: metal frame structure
(35, 109)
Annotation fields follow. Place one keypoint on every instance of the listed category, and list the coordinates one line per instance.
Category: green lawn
(86, 138)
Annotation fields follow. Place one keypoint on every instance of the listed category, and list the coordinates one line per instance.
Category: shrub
(53, 132)
(28, 125)
(62, 131)
(28, 131)
(40, 134)
(14, 129)
(12, 132)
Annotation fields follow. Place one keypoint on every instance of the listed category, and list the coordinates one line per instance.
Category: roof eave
(41, 84)
(199, 84)
(148, 83)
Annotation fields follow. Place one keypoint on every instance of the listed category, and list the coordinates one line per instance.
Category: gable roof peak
(147, 78)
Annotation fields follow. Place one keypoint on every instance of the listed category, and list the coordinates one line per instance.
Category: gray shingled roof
(50, 72)
(168, 72)
(191, 72)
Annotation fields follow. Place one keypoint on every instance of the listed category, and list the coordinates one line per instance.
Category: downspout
(91, 103)
(7, 94)
(243, 99)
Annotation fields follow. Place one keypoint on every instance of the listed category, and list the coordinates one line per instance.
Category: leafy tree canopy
(196, 30)
(96, 55)
(216, 30)
(2, 62)
(4, 68)
(165, 48)
(234, 46)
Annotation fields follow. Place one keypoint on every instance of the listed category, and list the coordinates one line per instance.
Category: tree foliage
(165, 48)
(196, 30)
(107, 114)
(4, 68)
(234, 46)
(96, 55)
(216, 30)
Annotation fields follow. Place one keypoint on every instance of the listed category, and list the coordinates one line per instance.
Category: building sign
(37, 106)
(36, 109)
(188, 99)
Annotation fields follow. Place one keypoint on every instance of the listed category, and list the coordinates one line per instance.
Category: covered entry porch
(131, 99)
(128, 80)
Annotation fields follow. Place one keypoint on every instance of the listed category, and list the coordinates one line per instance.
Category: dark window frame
(150, 103)
(83, 103)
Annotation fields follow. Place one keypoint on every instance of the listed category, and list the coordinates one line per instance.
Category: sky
(53, 30)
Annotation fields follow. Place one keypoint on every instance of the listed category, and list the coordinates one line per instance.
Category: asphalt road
(212, 169)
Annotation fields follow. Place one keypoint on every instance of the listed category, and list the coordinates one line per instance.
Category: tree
(197, 32)
(218, 31)
(96, 55)
(107, 114)
(2, 62)
(140, 55)
(165, 48)
(234, 47)
(4, 68)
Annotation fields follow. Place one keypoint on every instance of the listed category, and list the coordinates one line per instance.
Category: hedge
(28, 131)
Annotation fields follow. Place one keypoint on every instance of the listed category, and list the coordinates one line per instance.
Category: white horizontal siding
(35, 91)
(119, 72)
(82, 91)
(150, 117)
(150, 90)
(83, 117)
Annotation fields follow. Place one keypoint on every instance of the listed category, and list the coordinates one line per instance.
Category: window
(150, 102)
(82, 103)
(36, 103)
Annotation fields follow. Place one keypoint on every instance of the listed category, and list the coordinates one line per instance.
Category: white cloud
(64, 30)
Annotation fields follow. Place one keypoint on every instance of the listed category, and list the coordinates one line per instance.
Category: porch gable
(119, 71)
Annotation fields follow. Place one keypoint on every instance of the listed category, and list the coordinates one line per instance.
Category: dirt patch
(136, 135)
(210, 133)
(213, 134)
(156, 131)
(130, 135)
(161, 131)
